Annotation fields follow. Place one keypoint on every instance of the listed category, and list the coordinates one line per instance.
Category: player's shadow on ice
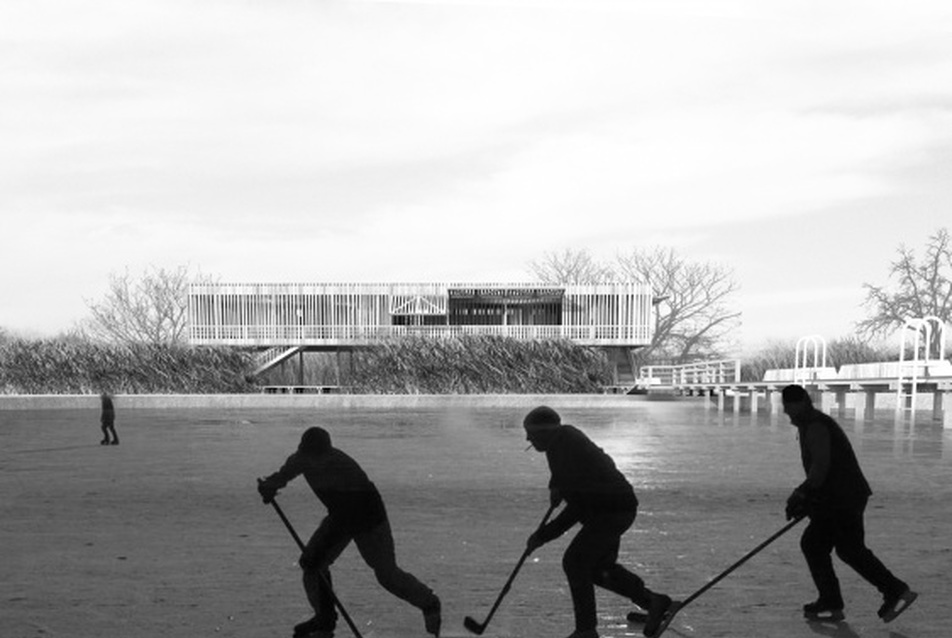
(840, 630)
(833, 629)
(56, 449)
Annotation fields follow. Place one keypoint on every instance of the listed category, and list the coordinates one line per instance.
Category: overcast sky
(799, 143)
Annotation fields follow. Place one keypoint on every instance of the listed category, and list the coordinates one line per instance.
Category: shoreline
(157, 401)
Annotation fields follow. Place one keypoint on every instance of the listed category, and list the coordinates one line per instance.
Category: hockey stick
(478, 628)
(324, 582)
(678, 606)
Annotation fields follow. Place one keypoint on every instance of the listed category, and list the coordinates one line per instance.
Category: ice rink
(165, 535)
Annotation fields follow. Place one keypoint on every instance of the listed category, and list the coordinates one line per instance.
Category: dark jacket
(108, 414)
(586, 477)
(340, 484)
(834, 478)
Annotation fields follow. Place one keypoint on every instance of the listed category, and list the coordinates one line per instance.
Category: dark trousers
(592, 559)
(376, 548)
(108, 426)
(842, 530)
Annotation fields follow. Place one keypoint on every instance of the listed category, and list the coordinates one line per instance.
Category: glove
(798, 505)
(310, 561)
(534, 542)
(266, 491)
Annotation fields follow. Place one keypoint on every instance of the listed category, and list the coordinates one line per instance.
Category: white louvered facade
(358, 314)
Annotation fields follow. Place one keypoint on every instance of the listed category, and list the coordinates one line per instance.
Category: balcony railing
(362, 335)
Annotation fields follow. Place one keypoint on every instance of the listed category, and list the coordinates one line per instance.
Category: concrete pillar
(861, 413)
(737, 394)
(937, 405)
(947, 410)
(840, 402)
(720, 399)
(822, 401)
(775, 401)
(754, 395)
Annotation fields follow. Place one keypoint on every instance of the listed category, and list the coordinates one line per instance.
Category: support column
(822, 400)
(862, 403)
(947, 410)
(870, 404)
(720, 399)
(937, 405)
(774, 400)
(840, 402)
(754, 396)
(736, 401)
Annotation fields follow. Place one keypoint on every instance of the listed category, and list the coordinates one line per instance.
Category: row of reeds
(411, 365)
(477, 364)
(78, 366)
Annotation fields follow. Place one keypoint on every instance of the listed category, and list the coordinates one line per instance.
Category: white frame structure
(341, 315)
(910, 371)
(803, 373)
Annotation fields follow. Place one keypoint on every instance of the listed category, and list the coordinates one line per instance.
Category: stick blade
(472, 626)
(668, 617)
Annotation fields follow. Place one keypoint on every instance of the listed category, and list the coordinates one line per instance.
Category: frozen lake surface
(165, 534)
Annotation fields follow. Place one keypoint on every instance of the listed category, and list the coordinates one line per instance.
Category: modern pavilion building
(286, 319)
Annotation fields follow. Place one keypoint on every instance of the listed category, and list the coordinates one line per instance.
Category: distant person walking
(599, 497)
(107, 420)
(355, 512)
(834, 496)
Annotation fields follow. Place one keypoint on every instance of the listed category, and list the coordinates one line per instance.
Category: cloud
(357, 140)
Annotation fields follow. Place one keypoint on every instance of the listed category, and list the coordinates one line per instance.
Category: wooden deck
(864, 383)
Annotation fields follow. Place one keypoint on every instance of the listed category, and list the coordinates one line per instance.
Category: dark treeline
(412, 365)
(465, 364)
(67, 365)
(472, 364)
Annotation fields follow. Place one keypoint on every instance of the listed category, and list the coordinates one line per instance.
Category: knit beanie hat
(314, 441)
(795, 394)
(542, 417)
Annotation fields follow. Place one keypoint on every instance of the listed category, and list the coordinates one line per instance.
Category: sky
(797, 143)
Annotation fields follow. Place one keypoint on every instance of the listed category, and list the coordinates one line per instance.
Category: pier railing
(698, 373)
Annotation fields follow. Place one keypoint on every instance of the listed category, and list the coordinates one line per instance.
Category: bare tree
(145, 308)
(924, 288)
(693, 316)
(570, 267)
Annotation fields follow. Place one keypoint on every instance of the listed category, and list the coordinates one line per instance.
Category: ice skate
(314, 627)
(822, 611)
(660, 612)
(895, 605)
